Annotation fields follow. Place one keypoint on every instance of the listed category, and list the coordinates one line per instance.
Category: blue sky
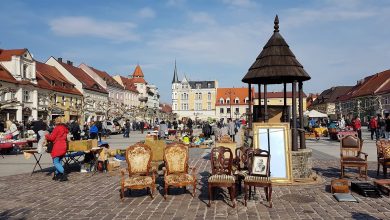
(337, 41)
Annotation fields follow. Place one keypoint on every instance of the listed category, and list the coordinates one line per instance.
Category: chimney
(59, 59)
(69, 62)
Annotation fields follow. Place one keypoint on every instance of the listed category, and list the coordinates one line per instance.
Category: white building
(130, 91)
(21, 65)
(116, 91)
(95, 96)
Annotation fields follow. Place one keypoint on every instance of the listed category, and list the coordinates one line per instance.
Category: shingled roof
(106, 77)
(6, 55)
(332, 95)
(6, 76)
(276, 63)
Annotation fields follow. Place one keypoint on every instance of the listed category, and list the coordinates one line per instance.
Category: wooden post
(265, 104)
(302, 141)
(259, 106)
(250, 117)
(294, 117)
(285, 113)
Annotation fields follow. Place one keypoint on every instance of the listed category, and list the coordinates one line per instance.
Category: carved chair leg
(266, 193)
(165, 190)
(233, 197)
(250, 191)
(210, 194)
(122, 195)
(194, 189)
(377, 171)
(246, 193)
(152, 191)
(270, 196)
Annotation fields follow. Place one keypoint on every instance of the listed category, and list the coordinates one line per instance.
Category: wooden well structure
(276, 64)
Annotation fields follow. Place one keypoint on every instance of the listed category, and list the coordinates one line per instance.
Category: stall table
(34, 152)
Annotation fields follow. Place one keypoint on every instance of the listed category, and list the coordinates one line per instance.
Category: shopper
(374, 127)
(357, 126)
(59, 138)
(93, 131)
(232, 129)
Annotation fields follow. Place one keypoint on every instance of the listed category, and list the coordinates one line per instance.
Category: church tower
(175, 89)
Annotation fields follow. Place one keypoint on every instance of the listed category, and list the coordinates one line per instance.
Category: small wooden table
(383, 185)
(34, 152)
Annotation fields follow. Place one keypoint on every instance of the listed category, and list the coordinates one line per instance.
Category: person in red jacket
(357, 126)
(374, 127)
(58, 137)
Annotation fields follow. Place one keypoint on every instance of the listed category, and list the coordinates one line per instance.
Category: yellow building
(56, 95)
(193, 99)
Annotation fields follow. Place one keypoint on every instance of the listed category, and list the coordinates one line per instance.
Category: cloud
(239, 3)
(331, 11)
(85, 26)
(146, 13)
(175, 2)
(201, 18)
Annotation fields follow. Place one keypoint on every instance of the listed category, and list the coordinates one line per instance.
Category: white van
(112, 127)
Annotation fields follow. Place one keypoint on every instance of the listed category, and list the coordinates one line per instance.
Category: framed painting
(259, 165)
(274, 137)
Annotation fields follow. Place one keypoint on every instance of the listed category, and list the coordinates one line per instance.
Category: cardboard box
(82, 145)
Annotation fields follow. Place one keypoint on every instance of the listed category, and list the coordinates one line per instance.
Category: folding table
(34, 152)
(73, 157)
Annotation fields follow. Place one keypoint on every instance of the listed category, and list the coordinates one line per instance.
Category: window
(221, 101)
(209, 106)
(198, 96)
(26, 96)
(227, 101)
(237, 110)
(236, 101)
(246, 100)
(227, 110)
(198, 85)
(209, 96)
(221, 110)
(208, 85)
(71, 101)
(247, 110)
(24, 71)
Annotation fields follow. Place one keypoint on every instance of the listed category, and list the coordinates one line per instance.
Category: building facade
(232, 103)
(95, 97)
(56, 95)
(21, 66)
(116, 92)
(369, 97)
(130, 97)
(326, 101)
(193, 99)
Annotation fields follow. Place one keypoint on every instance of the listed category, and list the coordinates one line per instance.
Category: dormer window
(236, 100)
(198, 85)
(221, 100)
(24, 71)
(63, 85)
(208, 85)
(53, 83)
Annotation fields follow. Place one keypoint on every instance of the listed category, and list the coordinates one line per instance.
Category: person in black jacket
(39, 125)
(75, 130)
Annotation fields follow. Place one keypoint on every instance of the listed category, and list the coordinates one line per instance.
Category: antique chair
(138, 158)
(222, 175)
(351, 154)
(241, 165)
(176, 168)
(383, 155)
(259, 173)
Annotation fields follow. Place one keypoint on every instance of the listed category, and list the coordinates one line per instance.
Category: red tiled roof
(46, 74)
(166, 108)
(374, 83)
(138, 72)
(106, 77)
(128, 84)
(351, 93)
(88, 82)
(6, 55)
(138, 80)
(6, 76)
(240, 93)
(271, 95)
(332, 95)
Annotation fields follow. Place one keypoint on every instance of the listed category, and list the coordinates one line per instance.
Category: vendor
(13, 130)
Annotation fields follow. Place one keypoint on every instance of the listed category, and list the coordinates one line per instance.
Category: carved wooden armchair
(259, 173)
(383, 155)
(138, 158)
(176, 168)
(351, 154)
(241, 165)
(222, 175)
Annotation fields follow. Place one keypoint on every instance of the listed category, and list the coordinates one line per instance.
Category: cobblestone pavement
(87, 196)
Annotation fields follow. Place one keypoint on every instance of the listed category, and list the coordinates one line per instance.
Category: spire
(175, 78)
(276, 22)
(138, 72)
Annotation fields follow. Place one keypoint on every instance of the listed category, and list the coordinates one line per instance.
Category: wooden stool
(339, 186)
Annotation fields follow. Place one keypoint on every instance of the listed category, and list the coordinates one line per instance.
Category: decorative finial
(276, 22)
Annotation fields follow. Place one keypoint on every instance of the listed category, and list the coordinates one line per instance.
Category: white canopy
(315, 114)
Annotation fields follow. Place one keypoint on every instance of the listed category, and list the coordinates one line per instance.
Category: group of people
(380, 127)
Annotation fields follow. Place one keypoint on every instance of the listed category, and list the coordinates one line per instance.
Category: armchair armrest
(365, 155)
